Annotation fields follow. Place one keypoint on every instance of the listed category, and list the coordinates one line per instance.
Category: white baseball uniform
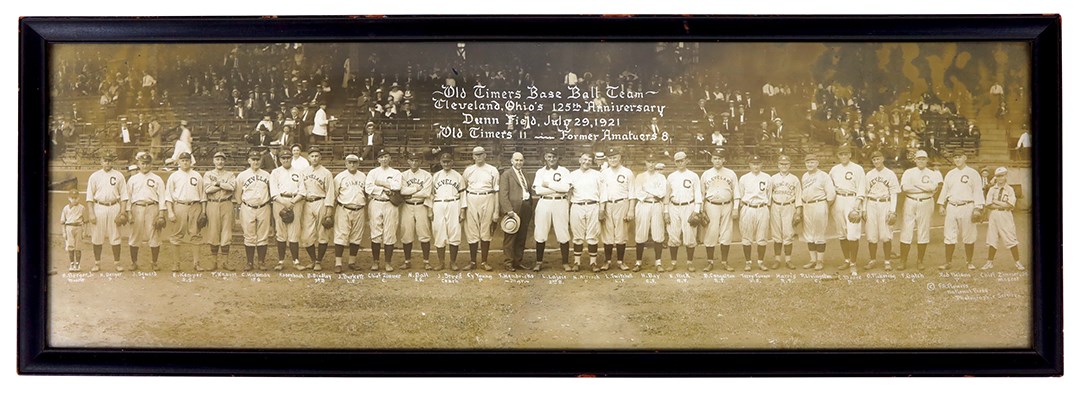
(618, 185)
(287, 183)
(319, 193)
(586, 193)
(881, 190)
(754, 211)
(147, 199)
(684, 199)
(219, 206)
(918, 186)
(849, 181)
(817, 192)
(721, 190)
(448, 197)
(481, 189)
(186, 192)
(106, 192)
(416, 186)
(352, 205)
(786, 192)
(650, 191)
(1001, 232)
(73, 220)
(553, 208)
(383, 216)
(252, 192)
(961, 194)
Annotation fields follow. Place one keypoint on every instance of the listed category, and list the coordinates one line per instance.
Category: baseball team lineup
(303, 205)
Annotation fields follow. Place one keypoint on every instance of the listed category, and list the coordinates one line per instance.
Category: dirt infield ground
(550, 309)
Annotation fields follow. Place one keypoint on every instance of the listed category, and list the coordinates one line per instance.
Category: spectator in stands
(395, 94)
(299, 161)
(727, 127)
(265, 123)
(987, 180)
(718, 139)
(372, 142)
(182, 145)
(261, 137)
(1023, 144)
(778, 130)
(153, 131)
(974, 136)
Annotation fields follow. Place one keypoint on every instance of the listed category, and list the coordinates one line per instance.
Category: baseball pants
(648, 220)
(840, 209)
(288, 232)
(917, 220)
(73, 235)
(585, 223)
(614, 229)
(349, 225)
(782, 223)
(106, 227)
(446, 225)
(877, 226)
(478, 217)
(815, 221)
(754, 225)
(383, 217)
(414, 223)
(311, 229)
(720, 228)
(256, 224)
(958, 224)
(220, 223)
(187, 229)
(679, 230)
(142, 226)
(1002, 229)
(552, 213)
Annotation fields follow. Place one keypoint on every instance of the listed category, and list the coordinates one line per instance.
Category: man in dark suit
(514, 197)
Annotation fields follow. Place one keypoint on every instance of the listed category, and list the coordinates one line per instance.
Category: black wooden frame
(1042, 32)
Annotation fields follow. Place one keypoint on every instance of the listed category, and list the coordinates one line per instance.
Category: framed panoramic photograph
(541, 196)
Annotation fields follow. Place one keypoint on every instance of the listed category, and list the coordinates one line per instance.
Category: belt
(618, 200)
(1003, 210)
(483, 193)
(80, 224)
(221, 200)
(584, 203)
(682, 204)
(650, 201)
(755, 206)
(144, 203)
(256, 207)
(814, 201)
(918, 199)
(185, 202)
(351, 207)
(381, 199)
(845, 194)
(287, 195)
(783, 203)
(415, 203)
(551, 197)
(446, 200)
(107, 204)
(719, 203)
(961, 203)
(313, 199)
(879, 199)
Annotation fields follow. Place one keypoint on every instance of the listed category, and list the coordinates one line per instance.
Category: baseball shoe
(536, 268)
(375, 267)
(317, 267)
(296, 264)
(748, 267)
(453, 266)
(247, 267)
(870, 264)
(761, 266)
(789, 265)
(819, 266)
(279, 266)
(659, 268)
(970, 267)
(845, 265)
(576, 268)
(919, 266)
(775, 264)
(119, 268)
(389, 268)
(900, 266)
(95, 268)
(809, 265)
(199, 268)
(133, 267)
(943, 267)
(727, 267)
(708, 267)
(594, 268)
(337, 268)
(154, 266)
(404, 265)
(888, 265)
(1019, 267)
(989, 265)
(510, 267)
(606, 266)
(636, 268)
(176, 268)
(623, 267)
(427, 267)
(469, 267)
(690, 267)
(486, 267)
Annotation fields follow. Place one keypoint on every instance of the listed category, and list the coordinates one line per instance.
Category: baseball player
(107, 195)
(618, 185)
(417, 213)
(349, 195)
(849, 180)
(919, 185)
(319, 204)
(1001, 199)
(721, 192)
(186, 201)
(220, 187)
(482, 211)
(146, 191)
(684, 200)
(817, 195)
(650, 193)
(754, 213)
(785, 190)
(448, 206)
(252, 193)
(553, 209)
(381, 183)
(71, 218)
(961, 197)
(588, 208)
(881, 190)
(287, 187)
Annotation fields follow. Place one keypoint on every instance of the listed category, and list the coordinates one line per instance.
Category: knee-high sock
(620, 251)
(658, 250)
(322, 251)
(674, 252)
(453, 253)
(407, 248)
(472, 252)
(969, 251)
(312, 254)
(388, 253)
(747, 252)
(1015, 253)
(990, 253)
(949, 248)
(565, 249)
(888, 249)
(724, 249)
(339, 250)
(261, 250)
(97, 252)
(787, 249)
(761, 252)
(376, 251)
(639, 250)
(354, 249)
(905, 248)
(134, 250)
(922, 250)
(539, 252)
(294, 249)
(485, 247)
(425, 249)
(873, 250)
(689, 254)
(281, 251)
(116, 253)
(249, 253)
(608, 248)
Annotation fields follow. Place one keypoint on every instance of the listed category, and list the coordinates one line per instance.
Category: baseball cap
(143, 156)
(552, 151)
(446, 156)
(413, 156)
(614, 151)
(382, 152)
(783, 159)
(810, 157)
(921, 154)
(877, 154)
(219, 154)
(844, 149)
(74, 193)
(184, 155)
(108, 155)
(352, 157)
(1001, 171)
(314, 150)
(957, 153)
(253, 154)
(478, 150)
(718, 152)
(679, 156)
(285, 154)
(754, 159)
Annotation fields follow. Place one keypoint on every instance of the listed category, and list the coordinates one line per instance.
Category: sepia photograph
(451, 195)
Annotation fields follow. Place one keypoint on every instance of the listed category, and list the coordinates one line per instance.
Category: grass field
(550, 309)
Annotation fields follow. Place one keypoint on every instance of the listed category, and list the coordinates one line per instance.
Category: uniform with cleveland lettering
(918, 186)
(220, 186)
(448, 198)
(817, 193)
(319, 199)
(586, 195)
(106, 194)
(383, 216)
(252, 193)
(552, 209)
(684, 199)
(350, 213)
(618, 184)
(849, 181)
(415, 225)
(721, 191)
(786, 192)
(961, 194)
(881, 190)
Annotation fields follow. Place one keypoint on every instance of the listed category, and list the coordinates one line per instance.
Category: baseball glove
(891, 219)
(396, 198)
(854, 216)
(202, 221)
(797, 219)
(328, 222)
(159, 223)
(703, 219)
(287, 215)
(976, 215)
(121, 219)
(694, 220)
